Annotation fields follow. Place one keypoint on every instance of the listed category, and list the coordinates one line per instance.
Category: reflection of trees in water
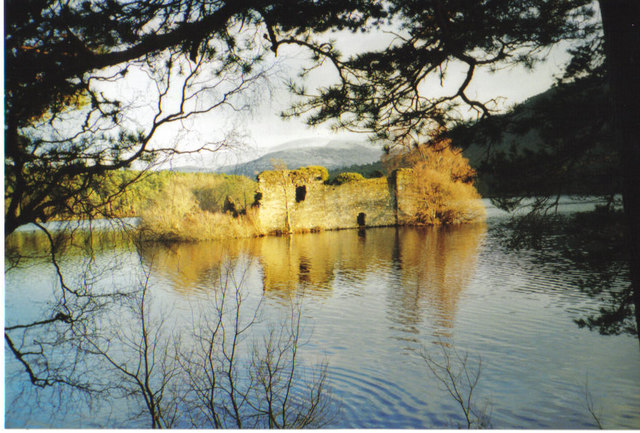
(231, 370)
(135, 358)
(52, 304)
(434, 266)
(30, 247)
(292, 262)
(291, 265)
(191, 266)
(310, 263)
(588, 250)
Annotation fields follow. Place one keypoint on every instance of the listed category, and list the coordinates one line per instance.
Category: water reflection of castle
(430, 266)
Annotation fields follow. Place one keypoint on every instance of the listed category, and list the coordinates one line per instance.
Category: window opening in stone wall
(305, 270)
(361, 219)
(301, 193)
(256, 200)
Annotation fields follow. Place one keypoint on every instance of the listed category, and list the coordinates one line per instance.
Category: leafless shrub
(460, 375)
(226, 371)
(240, 380)
(143, 356)
(275, 370)
(591, 407)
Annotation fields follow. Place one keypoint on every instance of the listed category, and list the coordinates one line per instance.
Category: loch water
(373, 302)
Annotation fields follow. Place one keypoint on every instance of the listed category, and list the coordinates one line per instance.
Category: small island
(429, 186)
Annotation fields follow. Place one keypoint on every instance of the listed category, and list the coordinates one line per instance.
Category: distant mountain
(328, 153)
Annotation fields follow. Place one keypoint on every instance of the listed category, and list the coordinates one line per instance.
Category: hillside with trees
(555, 143)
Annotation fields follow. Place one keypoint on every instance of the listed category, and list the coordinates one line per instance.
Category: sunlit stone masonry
(299, 201)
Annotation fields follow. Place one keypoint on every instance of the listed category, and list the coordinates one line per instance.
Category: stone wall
(405, 194)
(297, 201)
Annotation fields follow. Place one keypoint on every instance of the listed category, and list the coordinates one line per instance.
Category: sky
(260, 127)
(264, 128)
(514, 85)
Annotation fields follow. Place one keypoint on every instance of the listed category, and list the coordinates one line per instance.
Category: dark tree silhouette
(391, 92)
(621, 23)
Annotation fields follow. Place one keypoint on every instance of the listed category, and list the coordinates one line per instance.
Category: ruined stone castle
(299, 201)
